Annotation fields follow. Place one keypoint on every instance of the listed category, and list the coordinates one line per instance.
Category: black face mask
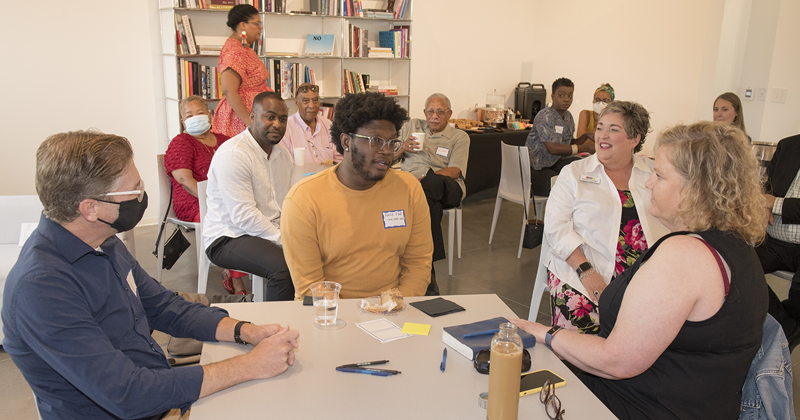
(130, 213)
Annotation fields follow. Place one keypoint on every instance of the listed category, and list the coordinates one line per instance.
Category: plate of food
(390, 302)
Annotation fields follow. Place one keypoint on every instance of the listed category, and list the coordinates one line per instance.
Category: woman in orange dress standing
(242, 76)
(242, 73)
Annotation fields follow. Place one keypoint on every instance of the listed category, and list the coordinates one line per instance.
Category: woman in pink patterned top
(242, 74)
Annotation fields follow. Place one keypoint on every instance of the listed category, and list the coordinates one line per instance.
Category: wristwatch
(548, 338)
(237, 330)
(583, 267)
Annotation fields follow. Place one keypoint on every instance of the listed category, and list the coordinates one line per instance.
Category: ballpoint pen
(444, 359)
(475, 334)
(365, 371)
(377, 362)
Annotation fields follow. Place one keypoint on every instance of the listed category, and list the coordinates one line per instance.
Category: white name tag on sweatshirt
(559, 129)
(394, 218)
(590, 179)
(442, 151)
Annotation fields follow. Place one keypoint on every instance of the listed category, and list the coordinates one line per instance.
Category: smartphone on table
(531, 382)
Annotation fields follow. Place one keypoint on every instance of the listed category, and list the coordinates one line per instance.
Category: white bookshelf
(286, 33)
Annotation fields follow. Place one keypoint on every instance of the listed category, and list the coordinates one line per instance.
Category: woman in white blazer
(597, 221)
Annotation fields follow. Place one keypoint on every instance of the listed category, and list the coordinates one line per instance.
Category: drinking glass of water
(325, 296)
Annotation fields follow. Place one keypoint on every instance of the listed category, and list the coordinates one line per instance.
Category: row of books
(355, 41)
(397, 39)
(189, 44)
(353, 82)
(287, 76)
(198, 79)
(326, 110)
(215, 4)
(352, 8)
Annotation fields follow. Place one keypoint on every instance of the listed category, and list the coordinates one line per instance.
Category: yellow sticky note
(416, 329)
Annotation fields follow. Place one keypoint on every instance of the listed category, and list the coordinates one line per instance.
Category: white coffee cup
(420, 138)
(299, 156)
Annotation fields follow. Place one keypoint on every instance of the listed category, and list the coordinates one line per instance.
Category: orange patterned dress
(254, 76)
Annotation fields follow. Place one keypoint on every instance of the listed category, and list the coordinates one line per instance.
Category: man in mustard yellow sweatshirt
(360, 223)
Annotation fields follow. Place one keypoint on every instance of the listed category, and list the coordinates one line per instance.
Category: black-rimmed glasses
(305, 89)
(377, 144)
(552, 405)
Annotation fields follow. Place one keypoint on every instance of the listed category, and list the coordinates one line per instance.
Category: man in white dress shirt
(307, 129)
(248, 179)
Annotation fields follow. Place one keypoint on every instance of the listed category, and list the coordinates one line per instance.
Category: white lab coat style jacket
(584, 210)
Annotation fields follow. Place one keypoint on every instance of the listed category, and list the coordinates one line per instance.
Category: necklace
(211, 150)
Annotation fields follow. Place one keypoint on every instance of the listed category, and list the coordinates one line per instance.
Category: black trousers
(777, 255)
(540, 179)
(256, 256)
(442, 193)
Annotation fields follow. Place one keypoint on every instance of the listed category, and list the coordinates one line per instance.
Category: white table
(421, 391)
(312, 168)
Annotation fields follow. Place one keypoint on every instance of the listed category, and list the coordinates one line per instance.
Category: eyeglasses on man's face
(138, 192)
(439, 112)
(552, 404)
(376, 144)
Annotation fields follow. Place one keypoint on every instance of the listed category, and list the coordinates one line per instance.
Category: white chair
(453, 224)
(164, 205)
(202, 259)
(515, 186)
(540, 283)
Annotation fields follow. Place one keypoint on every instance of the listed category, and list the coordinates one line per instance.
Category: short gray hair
(440, 96)
(635, 119)
(185, 101)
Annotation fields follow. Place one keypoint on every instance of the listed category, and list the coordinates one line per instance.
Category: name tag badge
(132, 283)
(590, 179)
(394, 218)
(559, 129)
(442, 151)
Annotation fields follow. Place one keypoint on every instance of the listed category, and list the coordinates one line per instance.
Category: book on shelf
(400, 11)
(198, 79)
(469, 347)
(319, 44)
(386, 90)
(353, 82)
(326, 110)
(187, 28)
(378, 13)
(215, 4)
(221, 4)
(286, 76)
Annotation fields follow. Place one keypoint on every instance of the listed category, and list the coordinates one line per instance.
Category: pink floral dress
(572, 310)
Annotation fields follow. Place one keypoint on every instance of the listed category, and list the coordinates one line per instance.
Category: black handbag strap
(525, 200)
(164, 222)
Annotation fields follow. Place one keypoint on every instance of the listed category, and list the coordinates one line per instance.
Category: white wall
(75, 65)
(97, 64)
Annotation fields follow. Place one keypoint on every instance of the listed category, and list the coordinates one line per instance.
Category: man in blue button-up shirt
(78, 308)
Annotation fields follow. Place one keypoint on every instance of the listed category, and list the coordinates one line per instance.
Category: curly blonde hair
(723, 188)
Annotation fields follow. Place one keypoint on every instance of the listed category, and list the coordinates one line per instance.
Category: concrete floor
(483, 268)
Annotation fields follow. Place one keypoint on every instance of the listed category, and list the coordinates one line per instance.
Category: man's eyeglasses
(598, 100)
(377, 143)
(439, 112)
(257, 23)
(305, 89)
(139, 193)
(552, 405)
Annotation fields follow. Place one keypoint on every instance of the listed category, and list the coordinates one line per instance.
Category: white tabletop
(300, 172)
(312, 388)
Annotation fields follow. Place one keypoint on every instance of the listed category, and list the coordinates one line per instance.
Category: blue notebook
(469, 347)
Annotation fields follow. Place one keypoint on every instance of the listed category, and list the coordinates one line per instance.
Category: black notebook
(438, 307)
